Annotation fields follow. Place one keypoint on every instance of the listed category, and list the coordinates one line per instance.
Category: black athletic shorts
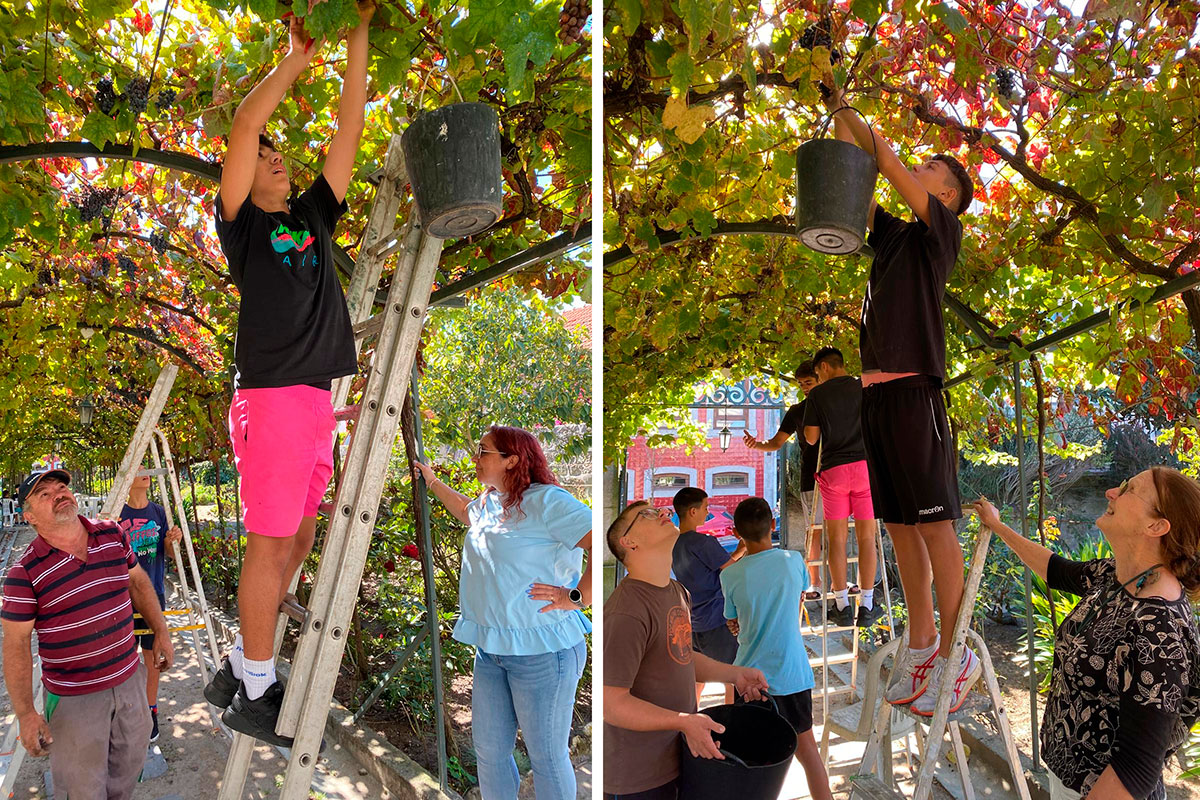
(719, 644)
(146, 640)
(910, 455)
(668, 791)
(795, 708)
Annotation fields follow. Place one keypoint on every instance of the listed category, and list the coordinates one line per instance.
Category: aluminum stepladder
(874, 778)
(142, 439)
(193, 595)
(360, 488)
(823, 631)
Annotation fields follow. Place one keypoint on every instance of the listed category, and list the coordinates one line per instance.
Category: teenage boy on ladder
(912, 464)
(294, 337)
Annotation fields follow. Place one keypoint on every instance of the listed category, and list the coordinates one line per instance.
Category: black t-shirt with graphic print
(901, 328)
(793, 423)
(1124, 687)
(293, 325)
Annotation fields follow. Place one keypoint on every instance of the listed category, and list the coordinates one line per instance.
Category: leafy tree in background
(506, 359)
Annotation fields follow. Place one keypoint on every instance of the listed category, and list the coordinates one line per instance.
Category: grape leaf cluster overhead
(1082, 123)
(109, 266)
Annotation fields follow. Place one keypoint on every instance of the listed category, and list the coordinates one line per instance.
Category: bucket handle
(829, 120)
(766, 697)
(425, 83)
(735, 759)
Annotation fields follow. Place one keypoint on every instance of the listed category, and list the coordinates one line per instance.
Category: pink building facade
(728, 476)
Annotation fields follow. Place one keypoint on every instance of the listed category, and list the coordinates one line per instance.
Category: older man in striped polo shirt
(74, 586)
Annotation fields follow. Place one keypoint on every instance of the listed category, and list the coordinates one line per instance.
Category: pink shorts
(846, 491)
(283, 449)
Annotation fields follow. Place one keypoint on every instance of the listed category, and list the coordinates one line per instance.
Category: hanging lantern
(87, 409)
(725, 435)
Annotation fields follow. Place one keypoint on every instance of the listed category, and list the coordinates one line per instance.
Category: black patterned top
(1125, 685)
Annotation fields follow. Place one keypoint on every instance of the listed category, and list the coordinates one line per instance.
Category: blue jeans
(536, 693)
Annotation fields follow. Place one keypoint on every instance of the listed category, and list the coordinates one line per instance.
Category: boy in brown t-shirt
(650, 668)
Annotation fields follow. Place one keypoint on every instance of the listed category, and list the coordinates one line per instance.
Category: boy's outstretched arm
(889, 163)
(339, 162)
(241, 156)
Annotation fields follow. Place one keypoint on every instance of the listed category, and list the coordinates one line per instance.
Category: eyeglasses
(1124, 488)
(479, 451)
(645, 513)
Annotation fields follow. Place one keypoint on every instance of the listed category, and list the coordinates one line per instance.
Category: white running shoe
(968, 672)
(910, 675)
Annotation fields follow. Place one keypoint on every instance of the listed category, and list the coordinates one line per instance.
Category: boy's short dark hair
(805, 370)
(687, 498)
(618, 528)
(752, 519)
(265, 141)
(828, 355)
(962, 181)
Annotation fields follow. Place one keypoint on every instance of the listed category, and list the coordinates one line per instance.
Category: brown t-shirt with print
(648, 650)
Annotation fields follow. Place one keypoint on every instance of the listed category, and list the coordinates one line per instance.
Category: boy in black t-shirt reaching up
(911, 459)
(294, 337)
(833, 417)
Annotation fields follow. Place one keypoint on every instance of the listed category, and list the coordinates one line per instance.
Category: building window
(731, 480)
(670, 480)
(733, 417)
(666, 481)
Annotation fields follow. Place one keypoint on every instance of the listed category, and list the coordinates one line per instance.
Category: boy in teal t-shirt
(763, 595)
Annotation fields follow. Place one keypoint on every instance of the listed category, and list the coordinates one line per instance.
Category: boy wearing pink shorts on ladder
(832, 415)
(294, 337)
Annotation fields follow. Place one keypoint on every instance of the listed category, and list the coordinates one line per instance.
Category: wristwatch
(575, 596)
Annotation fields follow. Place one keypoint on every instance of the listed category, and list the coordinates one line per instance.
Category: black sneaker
(839, 617)
(154, 730)
(867, 617)
(221, 688)
(257, 718)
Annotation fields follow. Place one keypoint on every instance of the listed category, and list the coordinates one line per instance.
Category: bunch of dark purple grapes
(574, 16)
(95, 203)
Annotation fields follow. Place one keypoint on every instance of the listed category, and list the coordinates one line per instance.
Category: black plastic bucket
(835, 181)
(453, 159)
(758, 745)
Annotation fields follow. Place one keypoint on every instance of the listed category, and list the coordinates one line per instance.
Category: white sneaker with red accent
(968, 672)
(910, 675)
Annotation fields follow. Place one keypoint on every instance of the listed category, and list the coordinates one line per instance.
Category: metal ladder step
(293, 610)
(368, 327)
(343, 413)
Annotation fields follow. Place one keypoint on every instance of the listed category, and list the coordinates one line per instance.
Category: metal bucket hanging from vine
(453, 159)
(835, 182)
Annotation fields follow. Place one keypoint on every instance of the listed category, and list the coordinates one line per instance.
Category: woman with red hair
(521, 594)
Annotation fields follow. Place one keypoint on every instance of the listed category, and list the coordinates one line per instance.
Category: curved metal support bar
(545, 251)
(772, 227)
(1165, 291)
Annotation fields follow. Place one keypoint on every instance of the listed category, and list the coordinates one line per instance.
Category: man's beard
(65, 512)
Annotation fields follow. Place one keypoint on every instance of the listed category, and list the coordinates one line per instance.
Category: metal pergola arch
(209, 170)
(978, 325)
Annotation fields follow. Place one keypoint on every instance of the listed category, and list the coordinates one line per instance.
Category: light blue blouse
(503, 555)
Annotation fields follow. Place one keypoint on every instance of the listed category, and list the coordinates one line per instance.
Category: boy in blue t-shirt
(763, 595)
(145, 523)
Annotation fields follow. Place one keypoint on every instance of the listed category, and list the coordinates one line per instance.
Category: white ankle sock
(236, 656)
(928, 651)
(257, 677)
(868, 598)
(842, 597)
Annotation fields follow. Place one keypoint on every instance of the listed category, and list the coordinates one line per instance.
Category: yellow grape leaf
(688, 123)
